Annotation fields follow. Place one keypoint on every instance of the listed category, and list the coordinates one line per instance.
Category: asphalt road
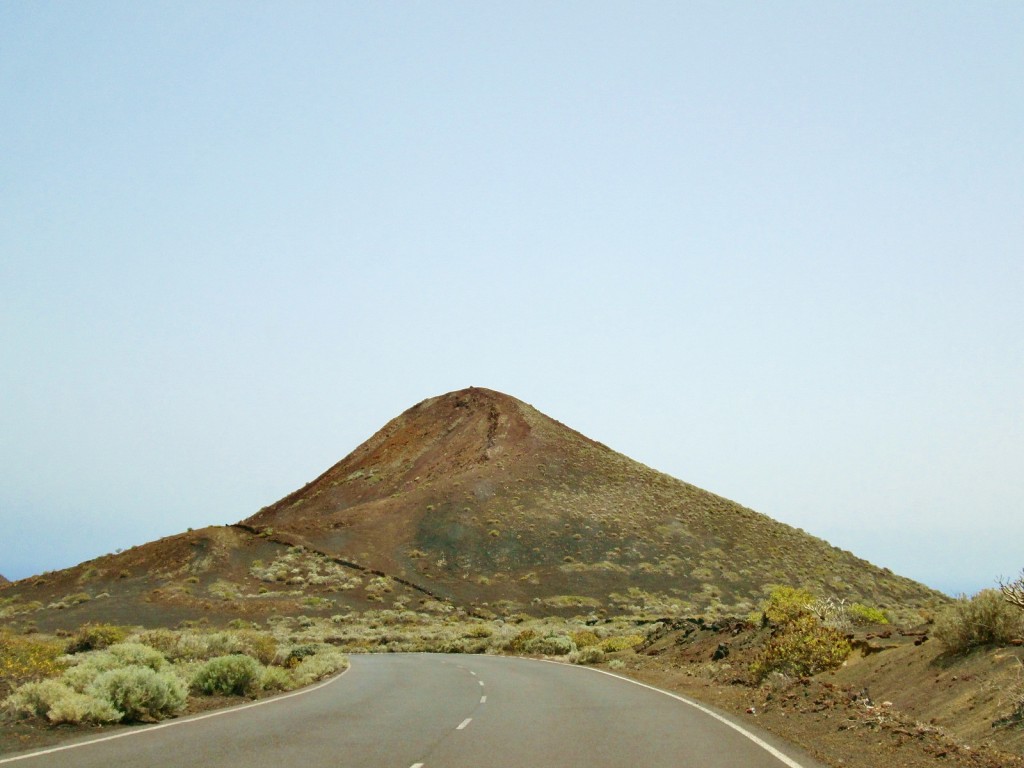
(443, 711)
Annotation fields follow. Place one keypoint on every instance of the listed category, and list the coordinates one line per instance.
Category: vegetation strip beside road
(801, 666)
(139, 731)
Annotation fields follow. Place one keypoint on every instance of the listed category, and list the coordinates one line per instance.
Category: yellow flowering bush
(25, 658)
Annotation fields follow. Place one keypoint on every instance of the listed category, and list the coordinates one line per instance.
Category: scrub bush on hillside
(800, 644)
(783, 605)
(96, 637)
(801, 648)
(984, 619)
(865, 614)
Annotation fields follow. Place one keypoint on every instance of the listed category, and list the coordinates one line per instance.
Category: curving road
(443, 711)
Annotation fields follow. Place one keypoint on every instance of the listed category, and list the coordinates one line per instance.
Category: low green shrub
(983, 619)
(96, 637)
(291, 656)
(552, 645)
(224, 590)
(275, 679)
(865, 614)
(71, 600)
(585, 638)
(479, 631)
(88, 666)
(587, 655)
(801, 647)
(140, 692)
(260, 645)
(163, 640)
(33, 699)
(449, 645)
(786, 604)
(137, 654)
(517, 643)
(234, 675)
(76, 708)
(59, 703)
(312, 668)
(317, 602)
(620, 643)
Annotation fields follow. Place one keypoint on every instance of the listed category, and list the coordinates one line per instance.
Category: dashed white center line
(464, 723)
(472, 673)
(481, 682)
(416, 765)
(483, 699)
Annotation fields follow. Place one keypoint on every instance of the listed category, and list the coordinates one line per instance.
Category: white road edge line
(711, 713)
(173, 723)
(464, 723)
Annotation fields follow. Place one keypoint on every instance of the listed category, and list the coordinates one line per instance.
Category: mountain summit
(482, 499)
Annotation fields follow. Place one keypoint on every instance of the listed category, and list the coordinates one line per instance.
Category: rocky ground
(899, 702)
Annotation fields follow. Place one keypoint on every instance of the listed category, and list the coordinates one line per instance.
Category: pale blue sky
(773, 249)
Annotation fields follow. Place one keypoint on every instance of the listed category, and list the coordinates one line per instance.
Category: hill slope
(483, 499)
(476, 500)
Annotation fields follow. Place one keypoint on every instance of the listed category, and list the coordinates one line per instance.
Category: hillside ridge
(484, 498)
(476, 501)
